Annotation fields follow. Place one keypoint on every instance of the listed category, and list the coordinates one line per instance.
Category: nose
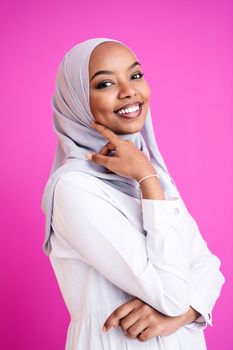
(126, 89)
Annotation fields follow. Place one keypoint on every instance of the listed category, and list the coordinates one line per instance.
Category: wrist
(190, 316)
(151, 189)
(139, 176)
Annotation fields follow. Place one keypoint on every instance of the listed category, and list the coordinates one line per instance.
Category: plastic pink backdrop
(186, 51)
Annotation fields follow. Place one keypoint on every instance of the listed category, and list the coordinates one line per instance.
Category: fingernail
(89, 156)
(104, 329)
(93, 123)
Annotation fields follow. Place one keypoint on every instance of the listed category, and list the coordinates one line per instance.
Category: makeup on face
(119, 94)
(136, 63)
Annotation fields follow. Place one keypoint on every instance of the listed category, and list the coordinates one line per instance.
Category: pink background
(186, 51)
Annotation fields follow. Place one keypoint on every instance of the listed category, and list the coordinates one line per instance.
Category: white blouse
(109, 247)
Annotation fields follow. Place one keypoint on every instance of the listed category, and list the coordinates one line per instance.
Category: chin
(129, 130)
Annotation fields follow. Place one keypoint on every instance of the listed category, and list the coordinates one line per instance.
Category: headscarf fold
(72, 119)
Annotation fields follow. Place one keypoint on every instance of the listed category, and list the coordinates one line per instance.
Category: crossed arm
(139, 320)
(165, 269)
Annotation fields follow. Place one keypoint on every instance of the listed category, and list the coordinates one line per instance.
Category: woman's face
(123, 87)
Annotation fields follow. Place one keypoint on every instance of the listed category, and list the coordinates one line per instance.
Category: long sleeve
(206, 281)
(205, 277)
(106, 240)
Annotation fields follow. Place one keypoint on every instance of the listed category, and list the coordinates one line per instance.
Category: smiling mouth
(130, 113)
(128, 107)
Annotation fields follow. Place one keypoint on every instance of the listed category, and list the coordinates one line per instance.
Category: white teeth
(128, 110)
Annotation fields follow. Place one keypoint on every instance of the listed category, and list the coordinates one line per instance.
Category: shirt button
(176, 211)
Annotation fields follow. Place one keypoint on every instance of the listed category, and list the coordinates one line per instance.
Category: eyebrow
(110, 72)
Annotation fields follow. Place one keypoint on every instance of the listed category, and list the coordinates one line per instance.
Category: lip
(133, 115)
(129, 105)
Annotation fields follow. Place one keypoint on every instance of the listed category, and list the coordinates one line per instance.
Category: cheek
(101, 109)
(92, 103)
(101, 103)
(95, 107)
(147, 91)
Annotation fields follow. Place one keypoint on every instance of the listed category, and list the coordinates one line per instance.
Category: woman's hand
(128, 160)
(139, 320)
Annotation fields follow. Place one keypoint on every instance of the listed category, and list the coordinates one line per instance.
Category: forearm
(151, 189)
(172, 324)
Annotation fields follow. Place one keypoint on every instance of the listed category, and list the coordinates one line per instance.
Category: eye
(140, 74)
(102, 86)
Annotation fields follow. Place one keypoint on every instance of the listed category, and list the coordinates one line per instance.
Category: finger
(107, 148)
(100, 159)
(134, 316)
(107, 133)
(117, 314)
(145, 335)
(136, 327)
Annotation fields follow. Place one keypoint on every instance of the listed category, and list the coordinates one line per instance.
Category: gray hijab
(72, 123)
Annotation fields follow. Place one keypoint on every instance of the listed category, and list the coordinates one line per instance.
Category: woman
(124, 248)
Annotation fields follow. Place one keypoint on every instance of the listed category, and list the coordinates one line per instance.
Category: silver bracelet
(145, 177)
